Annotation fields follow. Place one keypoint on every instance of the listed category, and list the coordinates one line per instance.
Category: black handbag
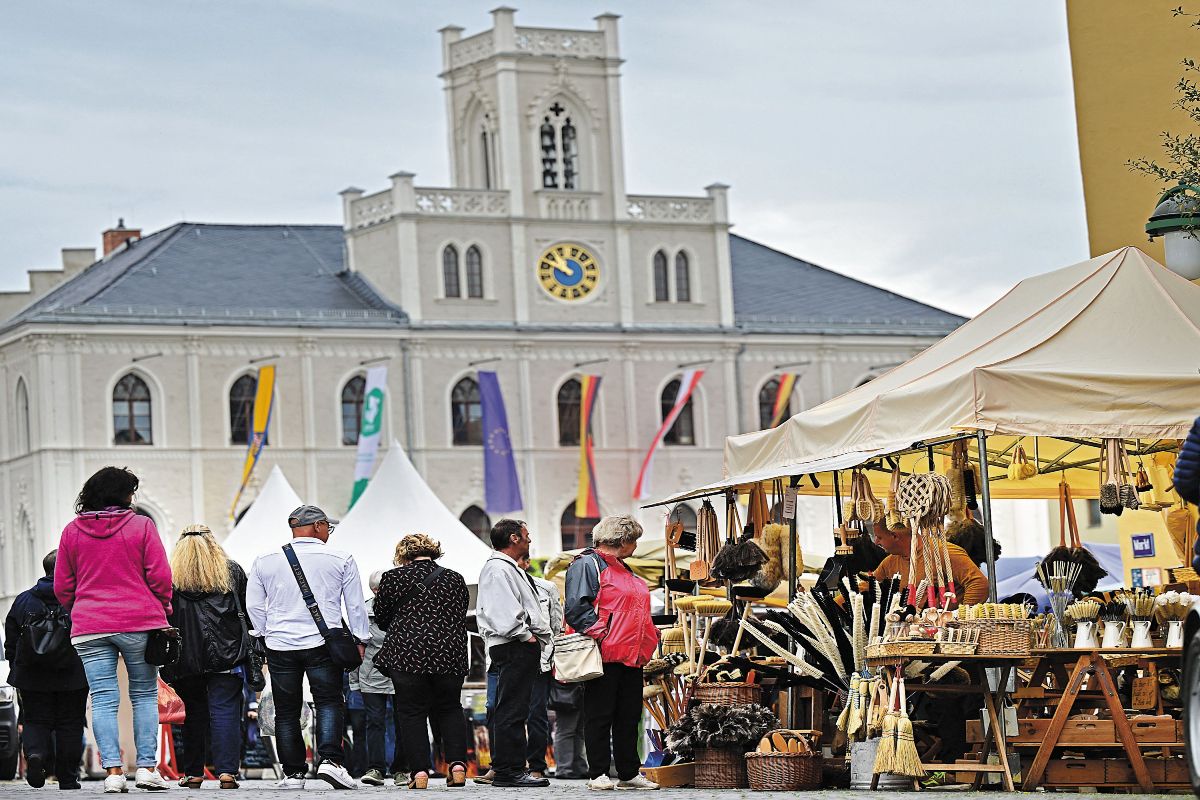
(256, 651)
(343, 647)
(164, 647)
(565, 697)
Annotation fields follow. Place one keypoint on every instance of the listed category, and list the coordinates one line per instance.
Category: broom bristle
(885, 756)
(907, 761)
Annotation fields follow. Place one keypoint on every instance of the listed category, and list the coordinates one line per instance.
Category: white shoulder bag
(577, 655)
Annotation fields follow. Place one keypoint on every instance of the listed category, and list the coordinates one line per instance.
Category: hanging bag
(164, 647)
(577, 655)
(256, 651)
(45, 639)
(170, 707)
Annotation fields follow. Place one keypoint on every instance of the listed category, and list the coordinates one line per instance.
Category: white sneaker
(291, 782)
(115, 783)
(150, 779)
(336, 776)
(601, 783)
(638, 781)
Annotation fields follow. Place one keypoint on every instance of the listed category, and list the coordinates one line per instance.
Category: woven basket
(915, 647)
(728, 694)
(1010, 637)
(956, 648)
(720, 768)
(783, 772)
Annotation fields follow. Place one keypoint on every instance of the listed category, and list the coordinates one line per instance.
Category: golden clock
(568, 271)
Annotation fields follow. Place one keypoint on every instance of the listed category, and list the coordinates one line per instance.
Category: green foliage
(1180, 162)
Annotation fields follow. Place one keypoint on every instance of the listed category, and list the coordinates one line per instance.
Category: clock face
(568, 271)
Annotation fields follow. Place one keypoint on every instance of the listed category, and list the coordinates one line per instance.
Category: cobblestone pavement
(558, 790)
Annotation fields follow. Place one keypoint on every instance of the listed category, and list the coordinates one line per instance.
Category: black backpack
(46, 639)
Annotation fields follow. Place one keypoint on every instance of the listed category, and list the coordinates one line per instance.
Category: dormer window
(559, 144)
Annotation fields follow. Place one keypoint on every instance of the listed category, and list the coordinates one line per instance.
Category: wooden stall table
(1070, 669)
(974, 666)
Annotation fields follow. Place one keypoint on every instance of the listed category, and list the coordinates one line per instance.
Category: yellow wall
(1125, 58)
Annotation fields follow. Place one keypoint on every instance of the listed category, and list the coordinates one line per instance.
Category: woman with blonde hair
(423, 608)
(208, 601)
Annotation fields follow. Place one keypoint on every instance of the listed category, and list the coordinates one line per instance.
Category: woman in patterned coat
(423, 608)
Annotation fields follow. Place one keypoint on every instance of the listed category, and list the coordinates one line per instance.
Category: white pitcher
(1114, 634)
(1175, 633)
(1141, 634)
(1085, 634)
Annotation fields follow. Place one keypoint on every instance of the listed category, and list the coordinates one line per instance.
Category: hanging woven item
(923, 501)
(893, 519)
(1070, 549)
(1127, 491)
(1110, 488)
(1020, 468)
(708, 542)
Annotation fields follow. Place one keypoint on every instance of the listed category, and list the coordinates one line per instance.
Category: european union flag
(501, 488)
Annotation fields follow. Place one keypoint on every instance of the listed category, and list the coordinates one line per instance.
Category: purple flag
(501, 489)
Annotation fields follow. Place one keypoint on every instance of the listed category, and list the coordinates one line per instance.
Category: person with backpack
(48, 676)
(113, 577)
(208, 603)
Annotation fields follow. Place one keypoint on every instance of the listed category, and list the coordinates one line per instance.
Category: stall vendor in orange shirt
(972, 585)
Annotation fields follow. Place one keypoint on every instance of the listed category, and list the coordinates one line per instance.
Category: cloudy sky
(925, 146)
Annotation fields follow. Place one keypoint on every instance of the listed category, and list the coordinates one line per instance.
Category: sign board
(1142, 544)
(1144, 577)
(1145, 693)
(789, 503)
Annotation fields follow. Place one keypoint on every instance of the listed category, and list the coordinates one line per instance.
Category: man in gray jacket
(515, 630)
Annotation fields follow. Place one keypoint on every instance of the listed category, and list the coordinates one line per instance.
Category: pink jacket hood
(103, 524)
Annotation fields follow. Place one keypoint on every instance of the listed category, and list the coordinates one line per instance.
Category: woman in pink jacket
(112, 574)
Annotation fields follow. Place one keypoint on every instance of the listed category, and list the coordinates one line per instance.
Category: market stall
(1076, 384)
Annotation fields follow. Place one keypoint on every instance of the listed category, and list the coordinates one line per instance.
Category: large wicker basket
(728, 694)
(720, 768)
(783, 772)
(1009, 637)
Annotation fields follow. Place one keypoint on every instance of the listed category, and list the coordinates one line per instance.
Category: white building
(146, 357)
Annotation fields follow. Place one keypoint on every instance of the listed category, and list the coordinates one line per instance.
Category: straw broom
(857, 687)
(885, 756)
(906, 761)
(843, 720)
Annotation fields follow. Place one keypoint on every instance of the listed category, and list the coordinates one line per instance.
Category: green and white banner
(368, 435)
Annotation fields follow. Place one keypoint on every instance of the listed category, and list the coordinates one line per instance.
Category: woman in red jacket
(607, 601)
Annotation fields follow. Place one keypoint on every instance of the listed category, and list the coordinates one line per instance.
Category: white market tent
(263, 528)
(396, 502)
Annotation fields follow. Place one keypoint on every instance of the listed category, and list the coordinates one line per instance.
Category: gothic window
(570, 397)
(241, 409)
(478, 522)
(559, 148)
(466, 415)
(683, 279)
(22, 403)
(661, 292)
(131, 411)
(474, 272)
(766, 403)
(487, 142)
(683, 432)
(576, 532)
(450, 271)
(352, 408)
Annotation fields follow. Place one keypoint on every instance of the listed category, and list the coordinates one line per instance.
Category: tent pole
(986, 508)
(793, 539)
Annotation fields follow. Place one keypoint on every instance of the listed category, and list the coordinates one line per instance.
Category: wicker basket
(914, 647)
(720, 768)
(784, 772)
(728, 694)
(1008, 637)
(956, 648)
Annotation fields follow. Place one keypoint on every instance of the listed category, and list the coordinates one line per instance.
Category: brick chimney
(115, 237)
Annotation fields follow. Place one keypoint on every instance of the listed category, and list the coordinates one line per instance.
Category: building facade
(536, 263)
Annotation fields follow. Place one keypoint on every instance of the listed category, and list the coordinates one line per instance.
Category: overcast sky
(928, 147)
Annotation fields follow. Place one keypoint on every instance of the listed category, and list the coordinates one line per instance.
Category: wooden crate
(1165, 773)
(1100, 732)
(674, 775)
(1075, 772)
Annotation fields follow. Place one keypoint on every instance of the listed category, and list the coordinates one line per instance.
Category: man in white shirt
(295, 646)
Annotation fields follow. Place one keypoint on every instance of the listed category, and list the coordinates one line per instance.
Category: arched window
(487, 141)
(576, 532)
(549, 156)
(559, 147)
(474, 272)
(352, 408)
(683, 279)
(661, 292)
(22, 417)
(766, 403)
(685, 514)
(241, 409)
(466, 415)
(450, 272)
(570, 397)
(683, 432)
(131, 411)
(478, 523)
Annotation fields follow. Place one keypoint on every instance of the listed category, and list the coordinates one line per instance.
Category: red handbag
(170, 706)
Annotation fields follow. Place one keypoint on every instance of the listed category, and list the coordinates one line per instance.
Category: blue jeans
(288, 668)
(99, 658)
(376, 733)
(214, 715)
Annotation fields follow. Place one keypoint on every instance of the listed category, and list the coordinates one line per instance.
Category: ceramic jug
(1085, 634)
(1175, 633)
(1141, 634)
(1114, 634)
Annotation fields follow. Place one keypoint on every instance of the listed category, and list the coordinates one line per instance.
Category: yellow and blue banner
(264, 402)
(587, 498)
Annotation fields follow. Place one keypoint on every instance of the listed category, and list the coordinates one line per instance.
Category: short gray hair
(616, 530)
(373, 581)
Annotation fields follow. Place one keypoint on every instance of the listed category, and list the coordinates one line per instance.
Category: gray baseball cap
(308, 515)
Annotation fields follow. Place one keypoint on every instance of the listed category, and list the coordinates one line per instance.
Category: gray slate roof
(190, 273)
(295, 275)
(776, 292)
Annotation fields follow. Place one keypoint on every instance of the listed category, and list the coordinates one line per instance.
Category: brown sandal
(418, 780)
(191, 782)
(228, 781)
(457, 774)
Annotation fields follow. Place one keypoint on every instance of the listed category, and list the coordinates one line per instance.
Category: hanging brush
(1070, 548)
(885, 755)
(1113, 611)
(907, 761)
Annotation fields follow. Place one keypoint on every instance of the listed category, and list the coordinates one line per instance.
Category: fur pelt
(776, 542)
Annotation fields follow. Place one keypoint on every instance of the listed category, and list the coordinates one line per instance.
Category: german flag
(587, 499)
(783, 398)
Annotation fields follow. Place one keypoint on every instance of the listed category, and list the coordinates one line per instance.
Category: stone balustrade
(461, 202)
(567, 205)
(657, 208)
(558, 42)
(371, 209)
(472, 49)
